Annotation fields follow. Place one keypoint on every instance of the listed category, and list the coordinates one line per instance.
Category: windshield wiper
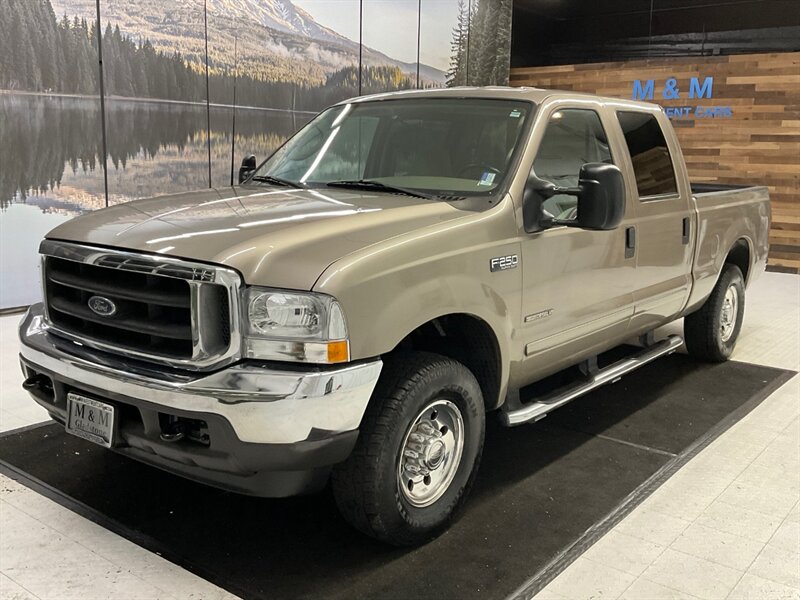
(369, 184)
(277, 181)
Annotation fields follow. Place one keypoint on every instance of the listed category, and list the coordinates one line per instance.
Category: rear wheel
(418, 451)
(711, 331)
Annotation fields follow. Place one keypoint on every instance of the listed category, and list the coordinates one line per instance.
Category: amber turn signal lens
(338, 351)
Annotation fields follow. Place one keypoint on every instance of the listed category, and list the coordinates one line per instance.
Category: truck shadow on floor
(539, 488)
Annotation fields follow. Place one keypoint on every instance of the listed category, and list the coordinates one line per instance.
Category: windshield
(431, 146)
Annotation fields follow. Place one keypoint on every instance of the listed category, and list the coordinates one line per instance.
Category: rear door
(663, 226)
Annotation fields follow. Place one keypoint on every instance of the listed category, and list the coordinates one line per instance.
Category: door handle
(685, 231)
(630, 242)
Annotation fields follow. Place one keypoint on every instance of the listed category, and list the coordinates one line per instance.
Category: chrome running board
(541, 406)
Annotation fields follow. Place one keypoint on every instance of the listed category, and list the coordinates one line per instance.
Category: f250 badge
(503, 263)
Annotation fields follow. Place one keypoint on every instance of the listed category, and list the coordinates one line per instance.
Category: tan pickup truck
(399, 268)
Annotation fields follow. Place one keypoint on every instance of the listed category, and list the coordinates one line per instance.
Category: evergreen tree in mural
(481, 43)
(373, 79)
(39, 53)
(457, 74)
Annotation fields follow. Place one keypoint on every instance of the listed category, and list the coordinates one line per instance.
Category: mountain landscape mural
(276, 40)
(168, 128)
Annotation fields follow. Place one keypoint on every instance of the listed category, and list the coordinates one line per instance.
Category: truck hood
(273, 236)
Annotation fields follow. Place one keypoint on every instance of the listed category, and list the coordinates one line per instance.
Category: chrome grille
(165, 310)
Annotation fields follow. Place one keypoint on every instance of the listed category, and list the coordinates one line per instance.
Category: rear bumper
(272, 431)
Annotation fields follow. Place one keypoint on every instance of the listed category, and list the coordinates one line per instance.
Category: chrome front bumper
(263, 404)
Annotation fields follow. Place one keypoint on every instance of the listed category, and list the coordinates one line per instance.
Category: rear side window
(650, 157)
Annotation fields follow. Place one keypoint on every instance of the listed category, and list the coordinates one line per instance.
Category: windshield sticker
(515, 114)
(487, 178)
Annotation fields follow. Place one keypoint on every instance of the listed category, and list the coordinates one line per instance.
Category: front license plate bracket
(91, 419)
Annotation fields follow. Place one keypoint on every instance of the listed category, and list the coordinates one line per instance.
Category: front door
(577, 284)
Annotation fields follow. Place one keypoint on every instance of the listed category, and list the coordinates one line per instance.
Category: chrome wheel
(430, 453)
(730, 309)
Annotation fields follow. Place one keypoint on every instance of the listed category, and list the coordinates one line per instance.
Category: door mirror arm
(551, 190)
(536, 192)
(601, 199)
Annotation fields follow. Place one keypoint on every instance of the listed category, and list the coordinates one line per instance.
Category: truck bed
(727, 215)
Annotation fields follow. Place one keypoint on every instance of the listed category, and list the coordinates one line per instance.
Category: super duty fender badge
(539, 315)
(503, 263)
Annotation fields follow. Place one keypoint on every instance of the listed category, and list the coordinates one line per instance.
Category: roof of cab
(536, 95)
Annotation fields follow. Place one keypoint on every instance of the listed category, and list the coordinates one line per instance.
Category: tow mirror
(600, 193)
(247, 168)
(601, 202)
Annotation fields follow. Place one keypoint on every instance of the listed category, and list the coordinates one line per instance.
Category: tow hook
(35, 382)
(175, 433)
(180, 428)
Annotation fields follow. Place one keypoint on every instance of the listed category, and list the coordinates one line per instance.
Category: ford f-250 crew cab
(401, 266)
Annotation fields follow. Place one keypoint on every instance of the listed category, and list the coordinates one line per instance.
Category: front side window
(652, 164)
(436, 146)
(573, 138)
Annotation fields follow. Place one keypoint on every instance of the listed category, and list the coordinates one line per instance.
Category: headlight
(279, 314)
(295, 326)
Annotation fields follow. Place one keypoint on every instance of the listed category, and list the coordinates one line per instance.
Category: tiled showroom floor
(727, 525)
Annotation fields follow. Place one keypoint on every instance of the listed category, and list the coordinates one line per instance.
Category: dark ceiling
(571, 31)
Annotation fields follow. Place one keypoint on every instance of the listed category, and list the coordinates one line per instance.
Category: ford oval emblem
(102, 306)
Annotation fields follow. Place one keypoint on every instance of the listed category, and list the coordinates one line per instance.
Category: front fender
(391, 288)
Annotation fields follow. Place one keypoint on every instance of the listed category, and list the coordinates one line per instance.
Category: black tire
(367, 485)
(703, 329)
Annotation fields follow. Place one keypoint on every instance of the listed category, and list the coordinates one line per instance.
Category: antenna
(233, 127)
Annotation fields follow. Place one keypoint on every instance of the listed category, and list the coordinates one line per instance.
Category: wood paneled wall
(758, 144)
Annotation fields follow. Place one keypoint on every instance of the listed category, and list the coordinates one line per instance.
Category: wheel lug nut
(426, 428)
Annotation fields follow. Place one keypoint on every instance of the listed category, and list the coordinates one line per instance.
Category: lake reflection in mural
(51, 165)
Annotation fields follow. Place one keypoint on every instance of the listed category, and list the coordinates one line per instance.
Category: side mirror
(247, 168)
(601, 199)
(601, 203)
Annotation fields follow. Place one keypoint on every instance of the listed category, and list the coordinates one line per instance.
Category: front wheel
(418, 451)
(711, 331)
